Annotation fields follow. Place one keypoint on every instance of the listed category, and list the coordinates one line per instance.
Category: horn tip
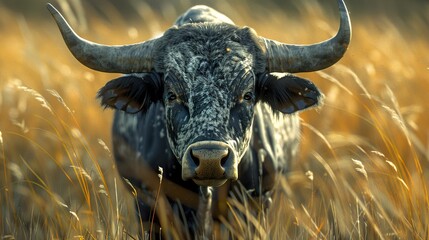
(51, 8)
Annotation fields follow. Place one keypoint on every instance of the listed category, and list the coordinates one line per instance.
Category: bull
(208, 101)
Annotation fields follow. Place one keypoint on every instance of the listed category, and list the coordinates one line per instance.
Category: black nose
(209, 163)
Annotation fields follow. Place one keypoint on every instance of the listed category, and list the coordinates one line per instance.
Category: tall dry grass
(362, 168)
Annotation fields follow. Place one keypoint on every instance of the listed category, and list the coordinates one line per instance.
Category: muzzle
(209, 163)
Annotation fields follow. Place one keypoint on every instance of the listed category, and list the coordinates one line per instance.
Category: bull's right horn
(290, 58)
(116, 59)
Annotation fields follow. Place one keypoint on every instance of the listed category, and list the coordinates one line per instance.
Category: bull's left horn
(117, 59)
(283, 57)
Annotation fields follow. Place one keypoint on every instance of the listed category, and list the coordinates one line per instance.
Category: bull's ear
(287, 93)
(131, 93)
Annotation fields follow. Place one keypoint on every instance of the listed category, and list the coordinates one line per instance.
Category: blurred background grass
(362, 171)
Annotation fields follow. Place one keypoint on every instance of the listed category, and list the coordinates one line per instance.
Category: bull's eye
(248, 96)
(171, 96)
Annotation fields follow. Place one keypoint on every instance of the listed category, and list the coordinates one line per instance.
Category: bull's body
(140, 140)
(203, 103)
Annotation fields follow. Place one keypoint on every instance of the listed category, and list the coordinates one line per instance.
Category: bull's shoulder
(273, 146)
(202, 14)
(277, 135)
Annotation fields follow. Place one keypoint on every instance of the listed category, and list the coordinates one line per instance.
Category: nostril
(195, 159)
(224, 160)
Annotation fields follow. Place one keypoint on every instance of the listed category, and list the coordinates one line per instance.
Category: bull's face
(209, 78)
(209, 96)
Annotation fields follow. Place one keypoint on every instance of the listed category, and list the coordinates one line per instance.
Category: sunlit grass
(361, 172)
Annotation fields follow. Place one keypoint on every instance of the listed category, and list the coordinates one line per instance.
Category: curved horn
(306, 58)
(116, 59)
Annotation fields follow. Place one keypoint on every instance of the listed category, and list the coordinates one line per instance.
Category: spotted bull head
(209, 77)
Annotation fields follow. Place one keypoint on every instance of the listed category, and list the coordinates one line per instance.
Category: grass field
(362, 172)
